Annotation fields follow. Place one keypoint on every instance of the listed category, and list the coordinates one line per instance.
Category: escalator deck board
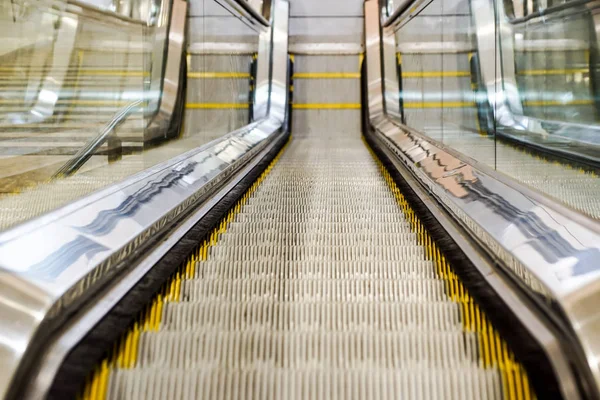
(321, 282)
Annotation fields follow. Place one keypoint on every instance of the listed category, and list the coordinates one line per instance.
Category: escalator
(319, 283)
(295, 240)
(444, 95)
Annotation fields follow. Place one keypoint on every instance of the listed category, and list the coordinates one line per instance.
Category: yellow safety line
(214, 75)
(465, 104)
(326, 75)
(124, 354)
(42, 74)
(538, 50)
(493, 350)
(541, 103)
(192, 75)
(436, 74)
(544, 72)
(28, 68)
(114, 73)
(12, 81)
(326, 106)
(438, 104)
(75, 102)
(215, 106)
(73, 84)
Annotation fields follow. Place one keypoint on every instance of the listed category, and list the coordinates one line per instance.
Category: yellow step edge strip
(436, 74)
(326, 106)
(493, 350)
(326, 75)
(216, 75)
(124, 354)
(216, 106)
(545, 72)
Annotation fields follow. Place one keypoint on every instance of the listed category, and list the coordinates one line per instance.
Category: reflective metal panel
(51, 265)
(549, 250)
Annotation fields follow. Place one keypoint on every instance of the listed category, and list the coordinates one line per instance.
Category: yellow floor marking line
(439, 104)
(545, 72)
(542, 103)
(465, 104)
(105, 73)
(493, 350)
(326, 75)
(436, 74)
(106, 81)
(216, 75)
(326, 106)
(75, 102)
(28, 68)
(216, 106)
(125, 351)
(465, 74)
(114, 73)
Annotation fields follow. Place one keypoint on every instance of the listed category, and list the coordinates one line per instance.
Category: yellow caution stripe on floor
(326, 75)
(439, 104)
(109, 72)
(75, 102)
(546, 72)
(112, 80)
(465, 104)
(218, 75)
(216, 106)
(326, 106)
(29, 68)
(436, 74)
(542, 103)
(125, 351)
(121, 73)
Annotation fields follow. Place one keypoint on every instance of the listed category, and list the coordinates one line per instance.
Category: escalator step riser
(319, 227)
(313, 290)
(266, 382)
(374, 218)
(298, 349)
(331, 239)
(312, 315)
(315, 269)
(315, 253)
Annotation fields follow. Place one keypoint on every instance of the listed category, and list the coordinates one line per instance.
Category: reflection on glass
(221, 62)
(435, 50)
(520, 97)
(64, 77)
(552, 67)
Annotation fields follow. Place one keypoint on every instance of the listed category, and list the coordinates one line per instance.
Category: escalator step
(320, 283)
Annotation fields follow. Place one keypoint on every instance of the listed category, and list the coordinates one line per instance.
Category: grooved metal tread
(317, 289)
